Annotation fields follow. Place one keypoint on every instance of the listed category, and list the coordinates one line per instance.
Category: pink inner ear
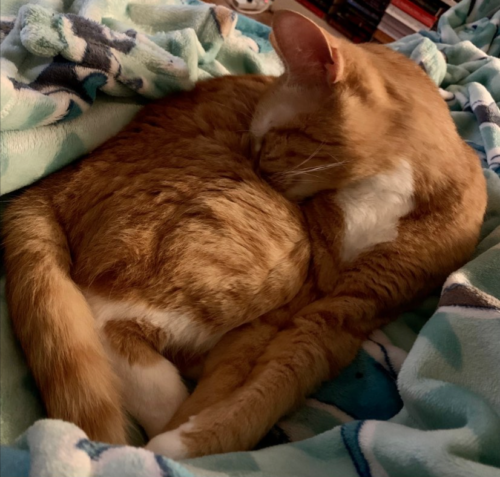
(304, 49)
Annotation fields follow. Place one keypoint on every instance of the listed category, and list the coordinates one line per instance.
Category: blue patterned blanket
(74, 73)
(423, 397)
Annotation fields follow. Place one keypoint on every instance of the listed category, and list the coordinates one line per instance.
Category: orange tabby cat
(164, 243)
(161, 240)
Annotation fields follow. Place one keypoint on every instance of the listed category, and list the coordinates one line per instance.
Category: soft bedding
(74, 73)
(423, 396)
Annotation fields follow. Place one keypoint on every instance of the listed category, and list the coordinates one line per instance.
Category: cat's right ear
(310, 57)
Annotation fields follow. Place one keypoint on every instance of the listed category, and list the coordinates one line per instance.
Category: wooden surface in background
(265, 17)
(382, 37)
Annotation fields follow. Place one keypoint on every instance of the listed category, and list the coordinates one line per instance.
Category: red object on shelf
(312, 8)
(415, 11)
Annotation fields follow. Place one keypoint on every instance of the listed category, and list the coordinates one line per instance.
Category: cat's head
(319, 122)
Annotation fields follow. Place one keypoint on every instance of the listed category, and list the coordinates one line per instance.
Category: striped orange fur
(252, 232)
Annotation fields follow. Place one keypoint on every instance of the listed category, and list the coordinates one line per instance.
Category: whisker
(309, 158)
(312, 169)
(325, 166)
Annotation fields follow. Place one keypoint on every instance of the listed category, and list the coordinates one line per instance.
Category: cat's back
(419, 114)
(447, 174)
(410, 91)
(175, 148)
(186, 129)
(176, 181)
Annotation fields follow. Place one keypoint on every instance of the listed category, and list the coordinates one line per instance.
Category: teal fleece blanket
(74, 73)
(423, 396)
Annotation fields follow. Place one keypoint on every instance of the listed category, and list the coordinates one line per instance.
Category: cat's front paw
(170, 444)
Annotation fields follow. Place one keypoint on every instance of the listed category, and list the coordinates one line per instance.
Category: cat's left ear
(310, 56)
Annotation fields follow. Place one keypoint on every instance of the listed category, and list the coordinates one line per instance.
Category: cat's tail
(55, 325)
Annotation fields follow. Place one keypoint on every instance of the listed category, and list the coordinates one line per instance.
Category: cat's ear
(309, 56)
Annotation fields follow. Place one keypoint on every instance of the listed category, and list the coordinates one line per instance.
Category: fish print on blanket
(84, 56)
(86, 61)
(73, 74)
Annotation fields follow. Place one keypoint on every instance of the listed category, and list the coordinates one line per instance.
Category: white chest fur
(372, 209)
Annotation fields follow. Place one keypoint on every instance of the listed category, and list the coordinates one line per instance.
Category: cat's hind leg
(314, 345)
(293, 363)
(152, 389)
